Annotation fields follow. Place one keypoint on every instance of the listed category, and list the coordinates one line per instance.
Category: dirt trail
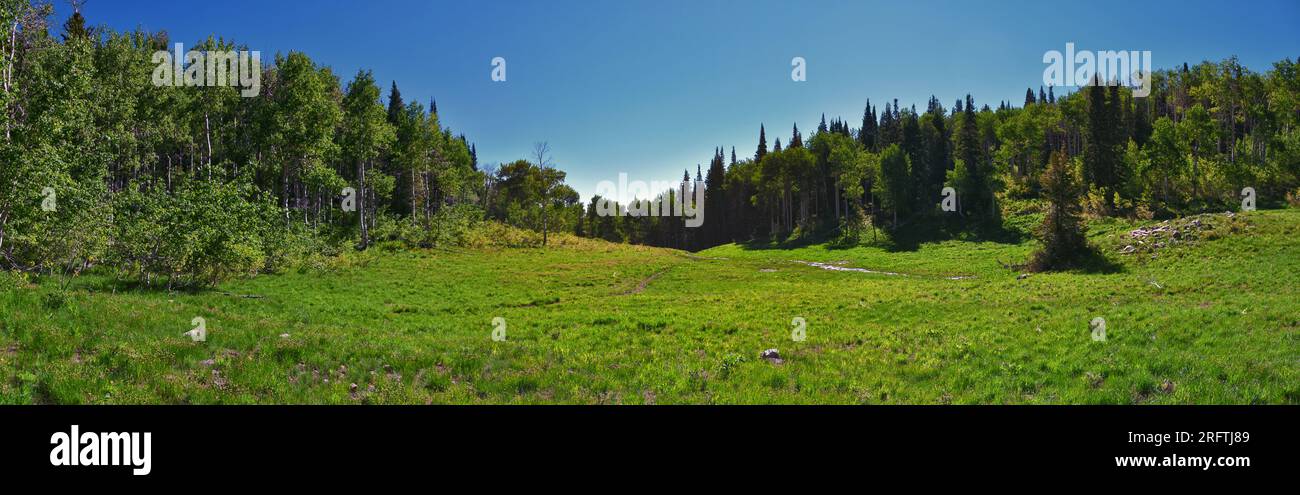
(640, 287)
(836, 267)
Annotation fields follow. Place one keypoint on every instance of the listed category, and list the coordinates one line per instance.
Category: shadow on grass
(105, 282)
(909, 236)
(1092, 261)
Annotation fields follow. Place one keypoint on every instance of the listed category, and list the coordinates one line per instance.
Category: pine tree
(1101, 155)
(867, 133)
(396, 107)
(975, 191)
(887, 127)
(715, 200)
(1062, 230)
(796, 141)
(75, 26)
(915, 151)
(1029, 96)
(762, 144)
(934, 134)
(1141, 121)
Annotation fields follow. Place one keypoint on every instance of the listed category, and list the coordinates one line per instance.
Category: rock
(772, 355)
(1022, 276)
(208, 362)
(284, 335)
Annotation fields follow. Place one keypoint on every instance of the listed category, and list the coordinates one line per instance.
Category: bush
(204, 232)
(450, 226)
(496, 234)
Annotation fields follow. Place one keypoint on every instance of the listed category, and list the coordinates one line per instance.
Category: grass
(1212, 322)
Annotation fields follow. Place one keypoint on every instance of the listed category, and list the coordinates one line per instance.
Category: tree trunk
(361, 208)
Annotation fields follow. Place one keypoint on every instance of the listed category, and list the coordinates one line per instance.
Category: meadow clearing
(1210, 320)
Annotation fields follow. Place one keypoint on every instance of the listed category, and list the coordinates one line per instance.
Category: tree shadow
(114, 284)
(1092, 261)
(788, 241)
(909, 236)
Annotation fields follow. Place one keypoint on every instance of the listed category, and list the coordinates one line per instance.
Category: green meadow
(944, 319)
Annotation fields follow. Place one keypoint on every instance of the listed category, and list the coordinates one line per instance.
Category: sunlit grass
(590, 322)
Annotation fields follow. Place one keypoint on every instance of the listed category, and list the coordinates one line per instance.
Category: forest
(188, 186)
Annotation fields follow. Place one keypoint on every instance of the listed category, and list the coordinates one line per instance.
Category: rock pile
(1168, 233)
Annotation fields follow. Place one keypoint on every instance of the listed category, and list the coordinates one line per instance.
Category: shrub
(204, 232)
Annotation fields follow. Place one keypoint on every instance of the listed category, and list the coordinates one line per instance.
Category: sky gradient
(650, 88)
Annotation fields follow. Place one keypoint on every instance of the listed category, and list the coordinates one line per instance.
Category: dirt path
(640, 287)
(838, 268)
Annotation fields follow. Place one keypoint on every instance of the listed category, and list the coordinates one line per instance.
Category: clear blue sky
(651, 87)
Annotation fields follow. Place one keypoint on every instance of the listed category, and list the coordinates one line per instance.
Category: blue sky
(651, 87)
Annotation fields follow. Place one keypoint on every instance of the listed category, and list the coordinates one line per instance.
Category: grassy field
(1212, 321)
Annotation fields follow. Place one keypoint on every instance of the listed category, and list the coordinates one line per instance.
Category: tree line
(191, 185)
(1201, 135)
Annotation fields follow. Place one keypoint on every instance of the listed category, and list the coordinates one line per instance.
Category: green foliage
(892, 184)
(204, 232)
(1062, 231)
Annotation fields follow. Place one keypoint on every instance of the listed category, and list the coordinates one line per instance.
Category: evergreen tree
(1141, 121)
(867, 133)
(396, 107)
(976, 196)
(1062, 231)
(762, 144)
(1102, 150)
(914, 148)
(796, 141)
(1029, 96)
(715, 201)
(888, 125)
(75, 26)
